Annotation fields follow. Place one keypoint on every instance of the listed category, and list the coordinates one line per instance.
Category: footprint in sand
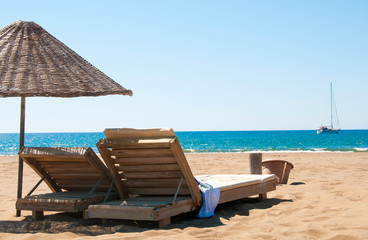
(262, 236)
(355, 198)
(338, 193)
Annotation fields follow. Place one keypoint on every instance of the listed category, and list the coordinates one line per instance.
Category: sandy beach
(325, 198)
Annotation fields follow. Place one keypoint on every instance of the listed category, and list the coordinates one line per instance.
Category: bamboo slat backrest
(71, 169)
(148, 162)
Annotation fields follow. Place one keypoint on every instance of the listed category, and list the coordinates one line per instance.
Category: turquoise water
(211, 141)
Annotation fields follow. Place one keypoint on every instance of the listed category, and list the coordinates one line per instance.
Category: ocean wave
(319, 149)
(361, 149)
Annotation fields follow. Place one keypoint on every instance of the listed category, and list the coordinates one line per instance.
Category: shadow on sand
(73, 222)
(297, 183)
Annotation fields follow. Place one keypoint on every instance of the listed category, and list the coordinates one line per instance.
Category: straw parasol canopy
(35, 63)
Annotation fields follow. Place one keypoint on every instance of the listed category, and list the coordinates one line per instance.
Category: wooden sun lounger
(155, 181)
(76, 176)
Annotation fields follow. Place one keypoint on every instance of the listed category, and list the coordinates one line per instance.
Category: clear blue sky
(204, 65)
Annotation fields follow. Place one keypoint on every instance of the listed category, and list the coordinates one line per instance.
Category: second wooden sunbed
(76, 176)
(155, 181)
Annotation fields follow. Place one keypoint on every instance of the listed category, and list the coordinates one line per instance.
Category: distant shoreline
(265, 152)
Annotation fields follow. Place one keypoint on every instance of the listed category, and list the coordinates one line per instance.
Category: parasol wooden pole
(21, 144)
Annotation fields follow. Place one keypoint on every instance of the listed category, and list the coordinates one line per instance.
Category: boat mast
(331, 105)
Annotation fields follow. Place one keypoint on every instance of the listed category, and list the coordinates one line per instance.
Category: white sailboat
(335, 125)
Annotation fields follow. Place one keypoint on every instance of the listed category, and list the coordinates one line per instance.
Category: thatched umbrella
(34, 63)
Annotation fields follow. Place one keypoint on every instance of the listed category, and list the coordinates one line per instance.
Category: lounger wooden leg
(85, 215)
(103, 221)
(262, 196)
(164, 222)
(37, 215)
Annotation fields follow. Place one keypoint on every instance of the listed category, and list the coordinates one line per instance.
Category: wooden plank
(114, 133)
(68, 197)
(82, 186)
(55, 170)
(170, 183)
(52, 151)
(145, 160)
(77, 180)
(50, 156)
(138, 145)
(149, 168)
(158, 191)
(42, 173)
(61, 158)
(187, 173)
(63, 195)
(145, 201)
(172, 174)
(114, 143)
(81, 181)
(105, 154)
(65, 160)
(239, 193)
(159, 152)
(71, 170)
(247, 191)
(121, 212)
(67, 206)
(50, 197)
(76, 204)
(137, 210)
(74, 170)
(73, 175)
(65, 164)
(72, 187)
(88, 184)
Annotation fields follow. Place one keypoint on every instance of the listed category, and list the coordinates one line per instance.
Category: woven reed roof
(34, 63)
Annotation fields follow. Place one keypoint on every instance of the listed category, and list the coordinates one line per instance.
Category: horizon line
(264, 130)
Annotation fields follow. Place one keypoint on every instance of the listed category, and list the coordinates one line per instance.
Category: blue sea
(211, 141)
